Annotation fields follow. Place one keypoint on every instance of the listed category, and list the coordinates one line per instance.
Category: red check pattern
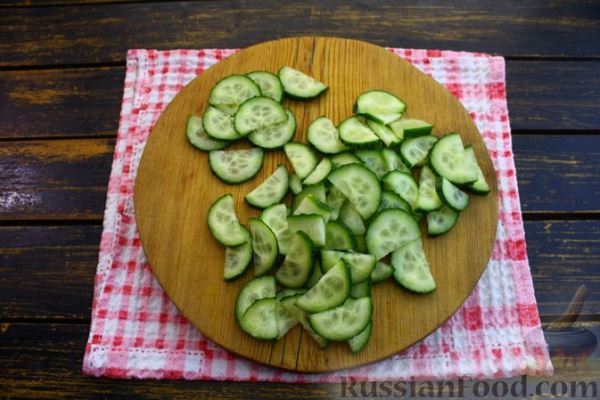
(137, 332)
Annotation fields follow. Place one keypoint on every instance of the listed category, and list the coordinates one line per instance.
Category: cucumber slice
(298, 85)
(258, 113)
(218, 124)
(358, 342)
(411, 268)
(410, 128)
(269, 84)
(331, 290)
(319, 173)
(415, 151)
(312, 225)
(361, 289)
(344, 158)
(404, 185)
(285, 321)
(392, 200)
(298, 264)
(260, 320)
(223, 222)
(231, 91)
(352, 219)
(324, 136)
(381, 272)
(380, 106)
(238, 258)
(480, 186)
(393, 162)
(286, 293)
(302, 317)
(271, 191)
(360, 186)
(450, 195)
(256, 289)
(276, 135)
(311, 205)
(317, 190)
(345, 321)
(441, 221)
(295, 184)
(449, 160)
(335, 201)
(355, 134)
(235, 166)
(303, 158)
(361, 245)
(198, 137)
(276, 219)
(385, 134)
(264, 246)
(428, 197)
(389, 230)
(361, 265)
(338, 236)
(373, 159)
(315, 276)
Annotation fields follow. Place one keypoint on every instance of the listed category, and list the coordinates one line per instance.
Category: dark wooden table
(61, 76)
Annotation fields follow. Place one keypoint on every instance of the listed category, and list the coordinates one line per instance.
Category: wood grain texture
(173, 194)
(102, 33)
(542, 95)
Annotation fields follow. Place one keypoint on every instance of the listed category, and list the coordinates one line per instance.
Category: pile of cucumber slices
(353, 219)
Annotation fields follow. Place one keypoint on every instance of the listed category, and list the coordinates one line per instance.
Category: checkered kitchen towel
(137, 332)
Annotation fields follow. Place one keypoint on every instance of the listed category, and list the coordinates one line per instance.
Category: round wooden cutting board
(175, 188)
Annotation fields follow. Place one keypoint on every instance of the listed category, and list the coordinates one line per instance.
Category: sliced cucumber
(361, 265)
(311, 205)
(361, 289)
(285, 321)
(358, 342)
(295, 184)
(285, 293)
(392, 200)
(276, 135)
(301, 316)
(389, 230)
(338, 236)
(258, 288)
(428, 197)
(449, 160)
(373, 159)
(315, 276)
(235, 166)
(269, 84)
(298, 264)
(198, 137)
(271, 191)
(411, 268)
(218, 124)
(317, 190)
(302, 158)
(260, 320)
(381, 272)
(238, 258)
(258, 113)
(415, 151)
(319, 173)
(331, 290)
(450, 195)
(299, 85)
(264, 246)
(360, 186)
(480, 186)
(352, 219)
(231, 91)
(325, 137)
(345, 321)
(393, 162)
(410, 128)
(223, 222)
(311, 224)
(404, 185)
(441, 221)
(380, 106)
(385, 134)
(344, 158)
(276, 219)
(355, 134)
(361, 245)
(335, 201)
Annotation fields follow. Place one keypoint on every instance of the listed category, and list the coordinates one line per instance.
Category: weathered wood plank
(34, 3)
(103, 32)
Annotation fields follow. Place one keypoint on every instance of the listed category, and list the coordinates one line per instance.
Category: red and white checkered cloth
(137, 332)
